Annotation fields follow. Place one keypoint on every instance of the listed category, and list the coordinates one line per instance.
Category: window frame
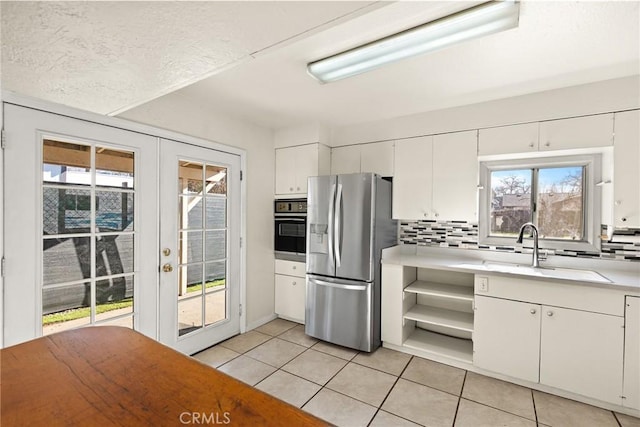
(592, 208)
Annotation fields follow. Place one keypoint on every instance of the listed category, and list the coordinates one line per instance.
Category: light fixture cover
(478, 21)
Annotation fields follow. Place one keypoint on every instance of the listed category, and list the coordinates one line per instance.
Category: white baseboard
(260, 322)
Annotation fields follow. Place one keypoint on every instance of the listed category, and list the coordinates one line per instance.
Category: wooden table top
(102, 376)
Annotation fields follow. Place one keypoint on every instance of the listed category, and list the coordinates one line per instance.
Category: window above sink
(558, 194)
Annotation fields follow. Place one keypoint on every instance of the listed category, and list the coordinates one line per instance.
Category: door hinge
(2, 267)
(3, 138)
(241, 242)
(241, 175)
(240, 313)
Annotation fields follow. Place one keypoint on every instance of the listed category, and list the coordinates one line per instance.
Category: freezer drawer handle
(336, 285)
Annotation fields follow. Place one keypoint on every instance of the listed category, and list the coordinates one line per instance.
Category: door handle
(167, 268)
(330, 222)
(338, 225)
(339, 286)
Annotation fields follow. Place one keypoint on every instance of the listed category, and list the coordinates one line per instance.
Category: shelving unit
(434, 312)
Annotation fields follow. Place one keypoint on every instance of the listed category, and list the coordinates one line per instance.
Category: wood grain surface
(103, 376)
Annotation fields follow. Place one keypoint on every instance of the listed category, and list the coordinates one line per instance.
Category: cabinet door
(412, 183)
(581, 352)
(631, 389)
(508, 139)
(626, 178)
(290, 297)
(345, 160)
(285, 170)
(579, 132)
(506, 337)
(377, 158)
(306, 165)
(455, 176)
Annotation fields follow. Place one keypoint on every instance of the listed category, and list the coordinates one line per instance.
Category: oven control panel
(294, 206)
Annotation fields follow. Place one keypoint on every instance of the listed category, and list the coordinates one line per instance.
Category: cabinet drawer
(290, 268)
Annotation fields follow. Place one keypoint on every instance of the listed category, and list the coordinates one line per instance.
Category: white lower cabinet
(507, 337)
(581, 352)
(573, 350)
(290, 292)
(631, 380)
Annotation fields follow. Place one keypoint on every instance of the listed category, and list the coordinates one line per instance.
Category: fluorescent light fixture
(487, 18)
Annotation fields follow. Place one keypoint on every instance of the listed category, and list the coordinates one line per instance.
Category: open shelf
(464, 293)
(441, 317)
(442, 345)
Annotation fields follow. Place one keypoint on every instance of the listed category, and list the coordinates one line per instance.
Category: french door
(200, 246)
(84, 207)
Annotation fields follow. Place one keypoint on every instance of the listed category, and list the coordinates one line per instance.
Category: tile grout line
(464, 380)
(389, 392)
(535, 411)
(615, 417)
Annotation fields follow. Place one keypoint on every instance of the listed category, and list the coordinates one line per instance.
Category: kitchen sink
(547, 272)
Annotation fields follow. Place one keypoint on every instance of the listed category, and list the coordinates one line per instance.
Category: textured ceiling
(557, 44)
(248, 59)
(107, 56)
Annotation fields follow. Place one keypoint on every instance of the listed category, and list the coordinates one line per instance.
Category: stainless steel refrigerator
(348, 224)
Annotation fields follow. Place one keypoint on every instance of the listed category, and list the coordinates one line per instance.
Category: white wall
(176, 113)
(609, 95)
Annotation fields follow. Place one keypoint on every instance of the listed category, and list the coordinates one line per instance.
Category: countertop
(622, 274)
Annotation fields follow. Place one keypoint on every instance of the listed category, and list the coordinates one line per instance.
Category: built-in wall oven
(290, 217)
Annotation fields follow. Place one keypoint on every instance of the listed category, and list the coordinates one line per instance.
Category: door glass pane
(215, 274)
(66, 163)
(66, 210)
(190, 177)
(65, 307)
(216, 212)
(115, 211)
(66, 260)
(510, 201)
(561, 203)
(114, 168)
(191, 246)
(114, 297)
(215, 245)
(190, 215)
(114, 254)
(189, 315)
(215, 308)
(216, 178)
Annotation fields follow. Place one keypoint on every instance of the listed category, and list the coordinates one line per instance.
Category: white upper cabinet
(455, 176)
(345, 159)
(579, 132)
(295, 164)
(508, 139)
(412, 182)
(626, 178)
(375, 157)
(436, 177)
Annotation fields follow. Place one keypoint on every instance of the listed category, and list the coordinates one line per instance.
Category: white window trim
(592, 204)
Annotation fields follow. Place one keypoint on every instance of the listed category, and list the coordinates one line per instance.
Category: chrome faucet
(534, 231)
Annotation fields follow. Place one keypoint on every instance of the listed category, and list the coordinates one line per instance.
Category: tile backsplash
(624, 244)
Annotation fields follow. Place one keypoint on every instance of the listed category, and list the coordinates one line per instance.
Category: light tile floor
(388, 388)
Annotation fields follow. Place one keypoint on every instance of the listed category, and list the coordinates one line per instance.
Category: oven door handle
(290, 219)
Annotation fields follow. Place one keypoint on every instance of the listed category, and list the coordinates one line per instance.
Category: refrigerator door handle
(339, 286)
(338, 225)
(330, 223)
